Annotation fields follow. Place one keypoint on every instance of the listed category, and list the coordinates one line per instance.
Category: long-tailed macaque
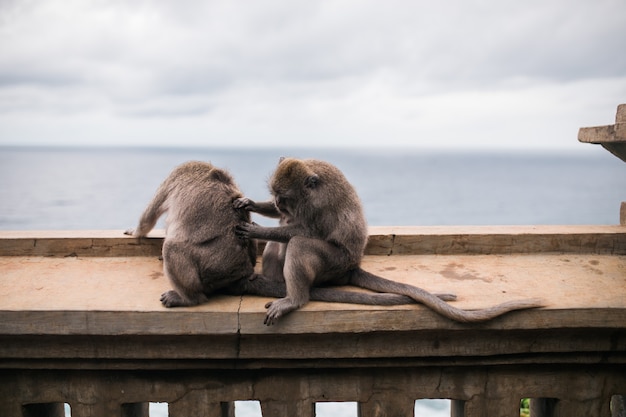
(200, 253)
(321, 240)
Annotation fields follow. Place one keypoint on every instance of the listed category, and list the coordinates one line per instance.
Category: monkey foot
(172, 299)
(277, 309)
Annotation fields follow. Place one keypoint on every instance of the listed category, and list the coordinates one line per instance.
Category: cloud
(354, 72)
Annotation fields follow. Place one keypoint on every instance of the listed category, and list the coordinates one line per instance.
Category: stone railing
(81, 327)
(613, 139)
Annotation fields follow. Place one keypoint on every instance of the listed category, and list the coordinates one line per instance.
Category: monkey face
(282, 204)
(284, 200)
(291, 184)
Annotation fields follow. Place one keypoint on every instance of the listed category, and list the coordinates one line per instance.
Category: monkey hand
(245, 231)
(244, 203)
(135, 233)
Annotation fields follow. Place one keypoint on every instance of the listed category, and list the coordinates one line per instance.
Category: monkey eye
(280, 193)
(282, 204)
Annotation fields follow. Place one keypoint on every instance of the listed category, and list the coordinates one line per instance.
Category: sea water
(108, 188)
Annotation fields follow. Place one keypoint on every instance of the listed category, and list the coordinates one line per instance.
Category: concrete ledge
(384, 240)
(611, 137)
(104, 284)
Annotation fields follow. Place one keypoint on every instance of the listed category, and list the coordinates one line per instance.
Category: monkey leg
(257, 284)
(307, 262)
(274, 261)
(184, 276)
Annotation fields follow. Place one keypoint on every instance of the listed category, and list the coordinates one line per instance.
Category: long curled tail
(364, 279)
(335, 295)
(259, 284)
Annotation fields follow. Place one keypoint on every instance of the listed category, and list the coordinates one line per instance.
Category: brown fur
(321, 240)
(200, 253)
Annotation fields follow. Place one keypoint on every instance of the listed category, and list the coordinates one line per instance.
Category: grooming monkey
(321, 239)
(200, 253)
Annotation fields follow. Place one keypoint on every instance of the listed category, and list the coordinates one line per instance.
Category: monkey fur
(200, 253)
(320, 241)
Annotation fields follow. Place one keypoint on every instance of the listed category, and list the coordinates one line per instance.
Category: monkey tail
(364, 279)
(335, 295)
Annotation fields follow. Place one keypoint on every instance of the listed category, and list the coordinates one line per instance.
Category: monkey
(321, 239)
(200, 253)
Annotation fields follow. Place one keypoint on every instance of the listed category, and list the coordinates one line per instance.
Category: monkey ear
(311, 181)
(221, 176)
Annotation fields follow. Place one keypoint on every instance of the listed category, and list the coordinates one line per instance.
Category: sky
(449, 74)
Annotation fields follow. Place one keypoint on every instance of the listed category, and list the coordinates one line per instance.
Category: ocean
(107, 188)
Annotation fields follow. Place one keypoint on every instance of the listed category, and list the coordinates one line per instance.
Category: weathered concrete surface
(583, 286)
(611, 137)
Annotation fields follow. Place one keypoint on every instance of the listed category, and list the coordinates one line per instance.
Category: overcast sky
(447, 74)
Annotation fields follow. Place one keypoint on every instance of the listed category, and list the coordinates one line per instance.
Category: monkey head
(291, 184)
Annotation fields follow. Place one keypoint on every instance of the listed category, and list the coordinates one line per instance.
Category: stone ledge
(384, 240)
